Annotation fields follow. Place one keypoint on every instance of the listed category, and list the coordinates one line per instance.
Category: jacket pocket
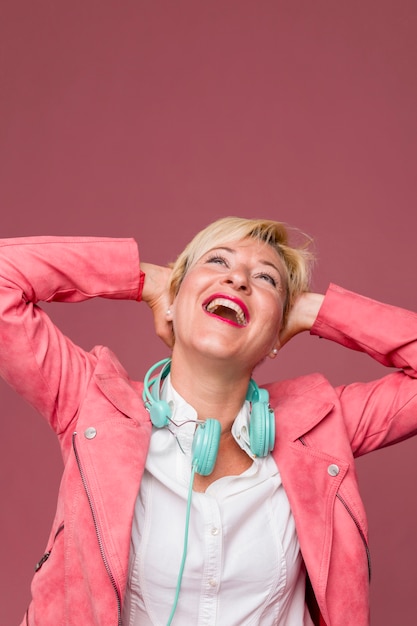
(362, 535)
(47, 554)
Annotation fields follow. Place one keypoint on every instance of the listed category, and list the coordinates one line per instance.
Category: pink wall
(151, 118)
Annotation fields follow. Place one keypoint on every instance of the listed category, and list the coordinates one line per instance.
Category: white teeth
(228, 304)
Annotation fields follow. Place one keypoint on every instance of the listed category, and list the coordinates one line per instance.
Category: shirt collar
(184, 416)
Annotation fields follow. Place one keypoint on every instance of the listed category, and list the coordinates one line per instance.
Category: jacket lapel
(113, 462)
(310, 472)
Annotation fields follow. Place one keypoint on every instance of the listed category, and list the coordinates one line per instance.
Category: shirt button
(90, 432)
(333, 470)
(215, 531)
(212, 582)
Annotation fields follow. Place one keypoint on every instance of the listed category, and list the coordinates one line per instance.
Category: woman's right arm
(36, 359)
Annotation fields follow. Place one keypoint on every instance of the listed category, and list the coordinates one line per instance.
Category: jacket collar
(300, 404)
(113, 381)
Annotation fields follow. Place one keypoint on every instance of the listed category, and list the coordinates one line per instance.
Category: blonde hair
(296, 260)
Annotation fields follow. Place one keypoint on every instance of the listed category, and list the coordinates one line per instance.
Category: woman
(203, 515)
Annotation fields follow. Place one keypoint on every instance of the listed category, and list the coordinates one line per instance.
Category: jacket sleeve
(381, 412)
(36, 359)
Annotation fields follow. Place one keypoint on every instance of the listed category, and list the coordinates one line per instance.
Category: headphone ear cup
(205, 446)
(261, 426)
(160, 412)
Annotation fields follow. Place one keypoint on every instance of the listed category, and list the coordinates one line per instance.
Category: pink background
(150, 119)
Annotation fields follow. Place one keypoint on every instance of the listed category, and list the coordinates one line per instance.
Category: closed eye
(217, 258)
(268, 278)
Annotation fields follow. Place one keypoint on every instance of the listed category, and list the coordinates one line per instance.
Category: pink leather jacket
(104, 430)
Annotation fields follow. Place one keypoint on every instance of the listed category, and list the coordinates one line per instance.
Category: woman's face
(230, 303)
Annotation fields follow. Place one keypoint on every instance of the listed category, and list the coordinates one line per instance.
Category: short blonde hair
(296, 260)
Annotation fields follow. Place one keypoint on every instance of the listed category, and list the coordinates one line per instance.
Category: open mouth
(228, 310)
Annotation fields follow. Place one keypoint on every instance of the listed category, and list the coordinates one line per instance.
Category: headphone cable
(184, 552)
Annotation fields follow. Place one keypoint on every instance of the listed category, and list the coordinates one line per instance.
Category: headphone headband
(261, 424)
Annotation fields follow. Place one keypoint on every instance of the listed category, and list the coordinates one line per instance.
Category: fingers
(155, 287)
(302, 316)
(156, 295)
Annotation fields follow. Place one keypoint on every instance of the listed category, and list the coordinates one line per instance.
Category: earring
(273, 353)
(168, 312)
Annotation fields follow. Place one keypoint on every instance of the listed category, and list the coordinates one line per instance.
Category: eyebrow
(264, 262)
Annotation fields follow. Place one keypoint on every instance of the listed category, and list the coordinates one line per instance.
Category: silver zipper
(47, 554)
(355, 521)
(361, 533)
(98, 534)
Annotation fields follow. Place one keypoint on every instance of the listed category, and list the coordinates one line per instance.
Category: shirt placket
(213, 542)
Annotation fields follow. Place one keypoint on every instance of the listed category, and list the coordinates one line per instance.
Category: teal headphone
(207, 436)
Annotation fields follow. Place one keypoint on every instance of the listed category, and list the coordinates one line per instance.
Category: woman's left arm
(387, 333)
(384, 411)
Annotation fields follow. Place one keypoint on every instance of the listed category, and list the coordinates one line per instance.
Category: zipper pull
(42, 561)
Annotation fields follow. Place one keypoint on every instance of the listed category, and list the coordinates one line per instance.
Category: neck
(215, 388)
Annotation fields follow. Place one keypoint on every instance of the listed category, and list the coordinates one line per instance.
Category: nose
(238, 278)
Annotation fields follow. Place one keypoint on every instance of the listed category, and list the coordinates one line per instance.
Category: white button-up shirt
(243, 564)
